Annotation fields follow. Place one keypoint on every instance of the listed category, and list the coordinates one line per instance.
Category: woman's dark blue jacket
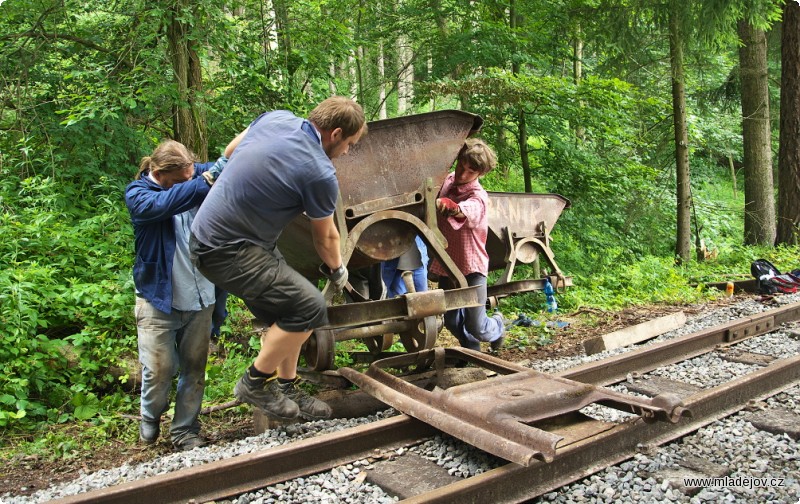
(152, 208)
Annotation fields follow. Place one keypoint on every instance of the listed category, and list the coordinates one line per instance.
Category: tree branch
(56, 36)
(205, 411)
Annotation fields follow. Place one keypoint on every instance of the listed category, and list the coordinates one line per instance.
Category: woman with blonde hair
(174, 301)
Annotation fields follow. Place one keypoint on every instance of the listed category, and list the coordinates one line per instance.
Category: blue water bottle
(550, 295)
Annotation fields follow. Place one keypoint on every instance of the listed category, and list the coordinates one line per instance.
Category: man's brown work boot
(310, 407)
(265, 393)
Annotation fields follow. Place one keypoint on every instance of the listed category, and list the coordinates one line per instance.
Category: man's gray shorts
(270, 288)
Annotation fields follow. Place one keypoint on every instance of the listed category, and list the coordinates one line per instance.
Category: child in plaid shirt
(461, 205)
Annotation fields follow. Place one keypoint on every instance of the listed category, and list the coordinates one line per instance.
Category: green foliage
(733, 263)
(523, 338)
(84, 405)
(89, 90)
(342, 358)
(611, 283)
(608, 175)
(65, 297)
(613, 286)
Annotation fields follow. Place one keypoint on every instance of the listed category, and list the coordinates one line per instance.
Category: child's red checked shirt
(466, 236)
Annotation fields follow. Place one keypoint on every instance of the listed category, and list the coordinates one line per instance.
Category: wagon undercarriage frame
(389, 182)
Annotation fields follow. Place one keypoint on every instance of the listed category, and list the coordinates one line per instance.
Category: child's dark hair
(169, 156)
(478, 155)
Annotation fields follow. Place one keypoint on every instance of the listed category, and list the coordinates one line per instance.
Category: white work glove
(338, 276)
(212, 173)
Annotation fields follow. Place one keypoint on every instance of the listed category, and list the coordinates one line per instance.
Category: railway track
(589, 444)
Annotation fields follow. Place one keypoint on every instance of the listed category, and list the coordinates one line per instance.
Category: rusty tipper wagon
(388, 185)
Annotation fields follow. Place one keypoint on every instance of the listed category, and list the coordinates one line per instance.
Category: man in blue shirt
(281, 168)
(174, 301)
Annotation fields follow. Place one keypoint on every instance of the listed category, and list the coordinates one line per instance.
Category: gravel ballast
(753, 465)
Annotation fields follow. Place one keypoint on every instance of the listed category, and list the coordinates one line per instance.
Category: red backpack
(771, 280)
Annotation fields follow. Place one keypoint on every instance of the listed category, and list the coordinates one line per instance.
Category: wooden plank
(654, 385)
(749, 286)
(776, 421)
(635, 334)
(755, 359)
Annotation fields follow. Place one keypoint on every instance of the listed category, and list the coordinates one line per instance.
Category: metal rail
(234, 476)
(577, 457)
(615, 369)
(515, 483)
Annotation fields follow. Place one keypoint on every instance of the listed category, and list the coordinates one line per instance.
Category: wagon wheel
(318, 350)
(378, 344)
(422, 336)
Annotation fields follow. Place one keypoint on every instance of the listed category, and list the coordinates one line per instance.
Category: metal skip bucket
(388, 184)
(395, 166)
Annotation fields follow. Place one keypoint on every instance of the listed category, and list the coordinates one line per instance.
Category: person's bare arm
(235, 142)
(326, 241)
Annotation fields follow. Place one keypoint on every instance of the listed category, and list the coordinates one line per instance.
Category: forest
(673, 127)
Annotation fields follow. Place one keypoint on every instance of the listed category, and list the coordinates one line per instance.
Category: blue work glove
(212, 173)
(338, 276)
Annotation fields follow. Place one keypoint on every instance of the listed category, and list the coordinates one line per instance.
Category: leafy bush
(65, 297)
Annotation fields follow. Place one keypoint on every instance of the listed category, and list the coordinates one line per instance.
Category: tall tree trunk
(515, 20)
(382, 83)
(332, 66)
(577, 73)
(789, 152)
(332, 78)
(189, 118)
(281, 9)
(269, 37)
(759, 197)
(360, 75)
(432, 101)
(522, 140)
(354, 76)
(683, 192)
(441, 28)
(405, 81)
